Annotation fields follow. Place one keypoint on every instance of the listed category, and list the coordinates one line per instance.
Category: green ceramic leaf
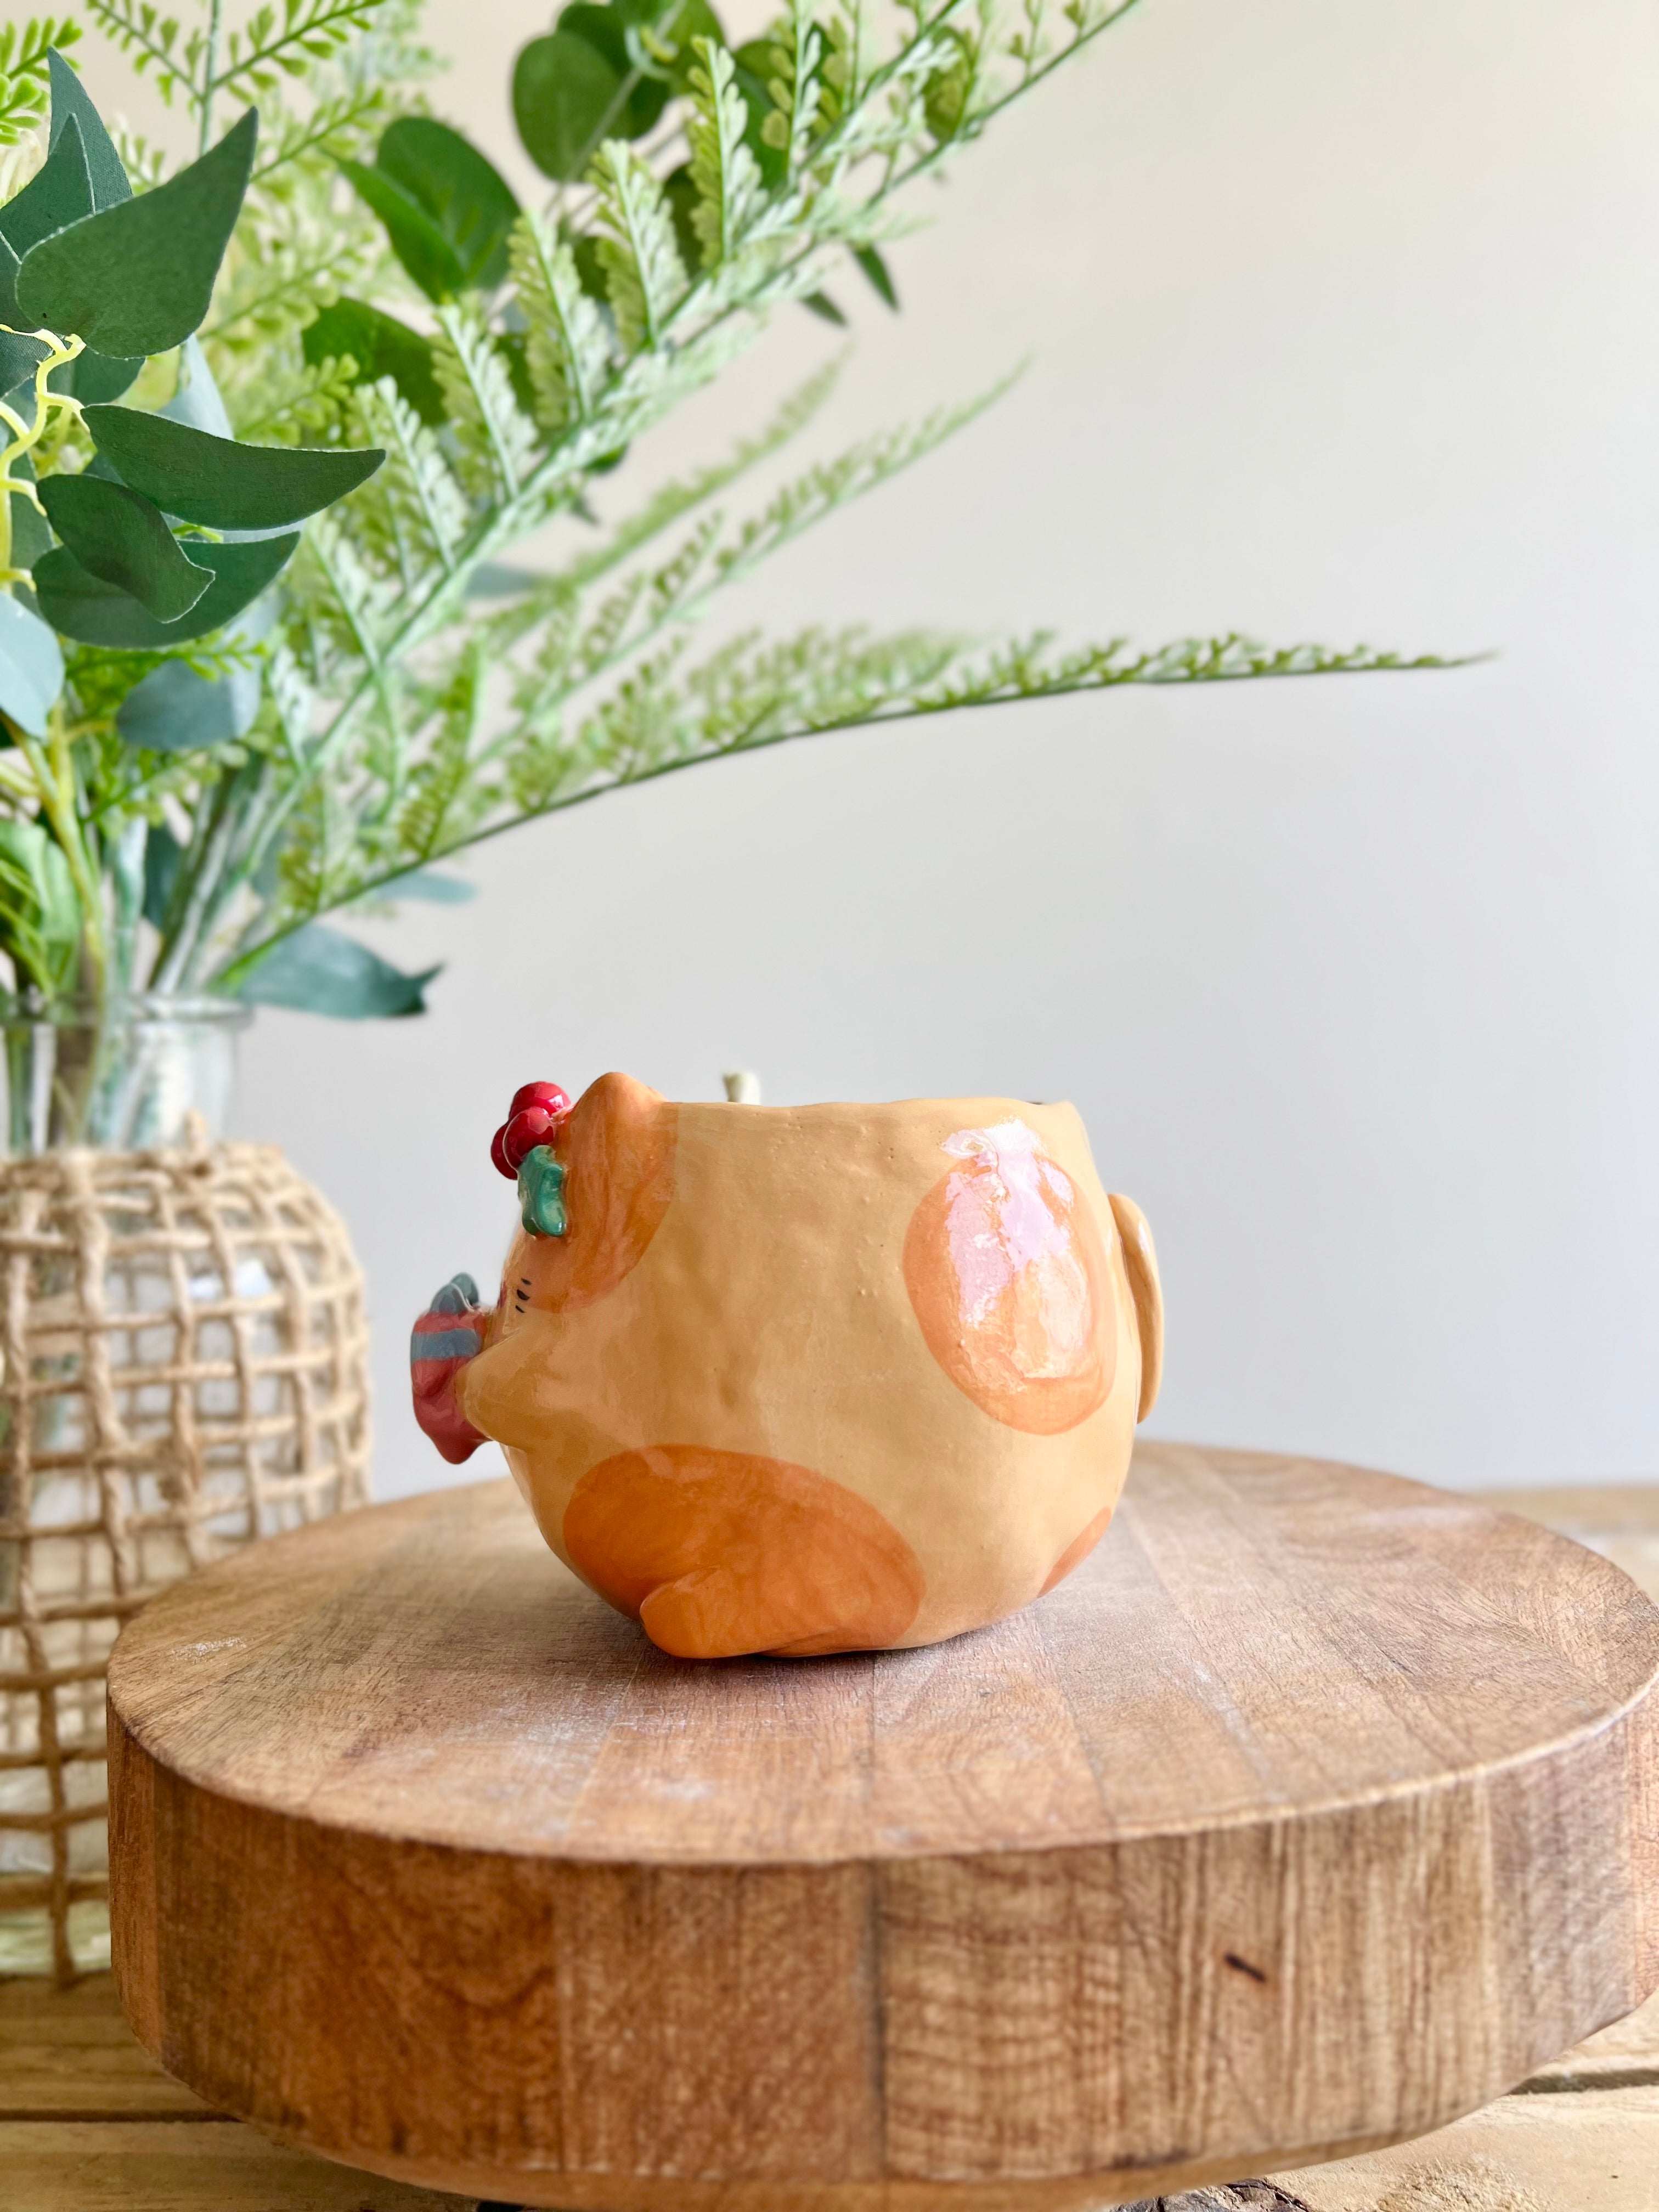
(136, 278)
(174, 710)
(218, 483)
(457, 188)
(381, 346)
(122, 539)
(59, 194)
(84, 607)
(565, 97)
(31, 667)
(69, 99)
(876, 269)
(323, 971)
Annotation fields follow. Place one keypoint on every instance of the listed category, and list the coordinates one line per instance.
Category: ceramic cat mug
(805, 1379)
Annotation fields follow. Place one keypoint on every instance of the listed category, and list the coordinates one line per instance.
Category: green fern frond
(151, 42)
(409, 711)
(444, 797)
(568, 351)
(23, 80)
(146, 164)
(645, 276)
(725, 173)
(829, 486)
(271, 45)
(496, 445)
(675, 499)
(277, 276)
(333, 129)
(414, 514)
(796, 90)
(294, 405)
(345, 606)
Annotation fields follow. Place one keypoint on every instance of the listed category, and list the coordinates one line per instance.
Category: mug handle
(1140, 1264)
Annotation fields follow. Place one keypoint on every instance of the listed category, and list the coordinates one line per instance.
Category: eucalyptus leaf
(57, 195)
(457, 187)
(566, 96)
(137, 277)
(31, 667)
(163, 856)
(381, 346)
(447, 211)
(218, 483)
(606, 30)
(19, 357)
(500, 580)
(123, 538)
(30, 535)
(82, 606)
(70, 100)
(676, 24)
(93, 377)
(428, 885)
(322, 971)
(175, 710)
(429, 256)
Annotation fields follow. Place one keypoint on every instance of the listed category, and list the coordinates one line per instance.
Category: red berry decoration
(539, 1094)
(533, 1118)
(534, 1126)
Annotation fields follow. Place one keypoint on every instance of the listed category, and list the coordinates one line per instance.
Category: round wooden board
(1316, 1809)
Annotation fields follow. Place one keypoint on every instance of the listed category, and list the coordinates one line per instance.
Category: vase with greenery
(279, 415)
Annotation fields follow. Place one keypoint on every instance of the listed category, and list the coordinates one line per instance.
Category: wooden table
(87, 2122)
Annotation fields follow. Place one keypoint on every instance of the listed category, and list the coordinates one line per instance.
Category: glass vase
(123, 1074)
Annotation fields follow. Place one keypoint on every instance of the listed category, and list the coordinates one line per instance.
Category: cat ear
(1141, 1263)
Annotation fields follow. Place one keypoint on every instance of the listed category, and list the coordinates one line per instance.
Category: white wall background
(1343, 320)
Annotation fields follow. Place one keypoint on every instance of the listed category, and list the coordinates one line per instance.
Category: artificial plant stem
(229, 875)
(189, 895)
(127, 881)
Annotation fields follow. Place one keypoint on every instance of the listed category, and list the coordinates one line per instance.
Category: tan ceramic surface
(769, 1315)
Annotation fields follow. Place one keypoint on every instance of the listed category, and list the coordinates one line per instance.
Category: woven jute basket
(185, 1368)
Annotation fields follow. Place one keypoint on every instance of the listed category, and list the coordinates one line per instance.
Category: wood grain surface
(66, 2053)
(1315, 1808)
